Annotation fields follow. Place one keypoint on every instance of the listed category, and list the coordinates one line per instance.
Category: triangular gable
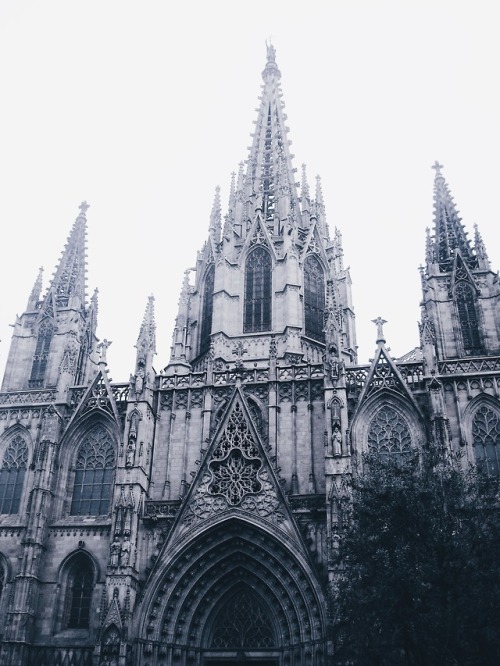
(313, 244)
(113, 615)
(235, 476)
(258, 235)
(461, 272)
(384, 375)
(48, 308)
(97, 398)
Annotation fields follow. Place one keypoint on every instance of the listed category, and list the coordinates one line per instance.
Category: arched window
(257, 292)
(243, 622)
(79, 588)
(486, 438)
(314, 298)
(389, 434)
(467, 317)
(12, 475)
(41, 355)
(94, 474)
(206, 317)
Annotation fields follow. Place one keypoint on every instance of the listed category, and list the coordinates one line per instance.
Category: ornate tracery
(94, 474)
(389, 434)
(486, 438)
(12, 474)
(243, 622)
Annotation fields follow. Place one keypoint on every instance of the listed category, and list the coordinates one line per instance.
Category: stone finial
(379, 322)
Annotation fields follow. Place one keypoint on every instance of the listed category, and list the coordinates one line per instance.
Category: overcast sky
(143, 108)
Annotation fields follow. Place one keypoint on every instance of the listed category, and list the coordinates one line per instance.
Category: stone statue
(115, 553)
(102, 348)
(125, 553)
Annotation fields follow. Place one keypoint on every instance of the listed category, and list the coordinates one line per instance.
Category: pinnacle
(69, 278)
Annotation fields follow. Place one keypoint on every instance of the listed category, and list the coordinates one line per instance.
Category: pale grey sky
(142, 108)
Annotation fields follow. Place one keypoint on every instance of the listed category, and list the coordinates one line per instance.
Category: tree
(419, 566)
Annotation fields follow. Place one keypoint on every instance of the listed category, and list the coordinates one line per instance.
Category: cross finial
(379, 322)
(437, 168)
(84, 206)
(238, 351)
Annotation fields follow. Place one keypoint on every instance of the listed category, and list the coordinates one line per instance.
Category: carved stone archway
(187, 614)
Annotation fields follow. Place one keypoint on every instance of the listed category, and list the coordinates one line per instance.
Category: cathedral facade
(191, 516)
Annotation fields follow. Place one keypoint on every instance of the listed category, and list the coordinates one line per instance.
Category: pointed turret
(216, 219)
(460, 292)
(69, 278)
(54, 338)
(146, 349)
(35, 292)
(180, 350)
(449, 234)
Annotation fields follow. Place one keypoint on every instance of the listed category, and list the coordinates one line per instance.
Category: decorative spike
(215, 217)
(449, 233)
(305, 195)
(36, 291)
(379, 322)
(69, 278)
(232, 195)
(480, 249)
(147, 333)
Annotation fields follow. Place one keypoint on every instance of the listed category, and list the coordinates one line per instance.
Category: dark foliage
(419, 567)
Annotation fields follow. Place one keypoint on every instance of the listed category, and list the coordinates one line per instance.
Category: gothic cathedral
(190, 516)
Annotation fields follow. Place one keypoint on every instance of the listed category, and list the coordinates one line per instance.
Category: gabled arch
(482, 425)
(78, 575)
(45, 334)
(314, 298)
(257, 313)
(465, 297)
(387, 424)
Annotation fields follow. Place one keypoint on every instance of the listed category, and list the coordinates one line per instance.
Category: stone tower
(192, 516)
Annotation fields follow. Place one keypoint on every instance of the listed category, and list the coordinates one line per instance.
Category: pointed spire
(147, 332)
(449, 233)
(69, 278)
(304, 194)
(480, 250)
(36, 291)
(215, 217)
(269, 152)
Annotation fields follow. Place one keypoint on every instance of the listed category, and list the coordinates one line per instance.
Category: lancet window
(486, 438)
(314, 298)
(41, 355)
(79, 588)
(257, 315)
(12, 474)
(207, 312)
(389, 434)
(243, 622)
(467, 317)
(95, 465)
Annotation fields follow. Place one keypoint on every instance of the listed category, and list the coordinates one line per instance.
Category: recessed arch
(258, 290)
(314, 298)
(234, 558)
(207, 309)
(482, 424)
(78, 575)
(15, 451)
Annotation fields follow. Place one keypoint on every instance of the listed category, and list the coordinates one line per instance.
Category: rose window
(235, 477)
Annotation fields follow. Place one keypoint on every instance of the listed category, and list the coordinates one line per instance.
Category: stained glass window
(80, 585)
(389, 434)
(206, 318)
(486, 437)
(467, 316)
(257, 291)
(41, 355)
(94, 474)
(12, 475)
(314, 298)
(243, 622)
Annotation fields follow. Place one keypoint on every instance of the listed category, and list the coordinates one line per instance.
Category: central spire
(269, 177)
(69, 278)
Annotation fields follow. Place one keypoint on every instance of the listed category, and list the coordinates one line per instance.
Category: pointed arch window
(41, 355)
(79, 589)
(243, 622)
(95, 465)
(314, 298)
(486, 438)
(257, 315)
(467, 317)
(12, 474)
(389, 434)
(207, 312)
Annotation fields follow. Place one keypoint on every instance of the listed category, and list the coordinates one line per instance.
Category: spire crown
(379, 322)
(69, 278)
(271, 68)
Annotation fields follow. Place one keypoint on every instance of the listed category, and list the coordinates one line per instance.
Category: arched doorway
(234, 594)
